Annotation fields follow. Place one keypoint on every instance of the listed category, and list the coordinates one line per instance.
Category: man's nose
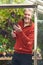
(26, 16)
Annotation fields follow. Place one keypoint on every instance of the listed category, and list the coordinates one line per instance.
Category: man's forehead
(27, 12)
(28, 9)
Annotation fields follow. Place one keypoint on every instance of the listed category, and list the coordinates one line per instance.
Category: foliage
(40, 36)
(19, 1)
(10, 1)
(7, 18)
(5, 1)
(40, 16)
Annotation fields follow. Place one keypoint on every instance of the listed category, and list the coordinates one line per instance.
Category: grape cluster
(4, 32)
(13, 14)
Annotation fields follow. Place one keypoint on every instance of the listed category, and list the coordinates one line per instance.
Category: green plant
(18, 1)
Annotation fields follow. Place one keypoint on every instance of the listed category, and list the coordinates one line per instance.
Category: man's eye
(27, 14)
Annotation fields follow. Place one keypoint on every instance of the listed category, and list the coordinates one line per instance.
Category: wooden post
(35, 37)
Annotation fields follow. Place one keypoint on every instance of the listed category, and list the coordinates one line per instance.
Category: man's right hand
(13, 34)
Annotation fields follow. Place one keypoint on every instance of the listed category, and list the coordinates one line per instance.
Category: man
(24, 35)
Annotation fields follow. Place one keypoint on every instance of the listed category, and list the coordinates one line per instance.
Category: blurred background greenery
(7, 17)
(11, 1)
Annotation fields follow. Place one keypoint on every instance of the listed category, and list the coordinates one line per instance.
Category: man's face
(27, 15)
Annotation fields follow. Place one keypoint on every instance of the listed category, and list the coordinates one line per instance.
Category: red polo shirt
(25, 39)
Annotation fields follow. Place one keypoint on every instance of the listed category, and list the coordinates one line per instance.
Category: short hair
(30, 9)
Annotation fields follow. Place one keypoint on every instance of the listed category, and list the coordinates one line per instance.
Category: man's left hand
(17, 28)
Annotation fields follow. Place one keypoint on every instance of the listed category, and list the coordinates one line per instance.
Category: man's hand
(17, 28)
(13, 34)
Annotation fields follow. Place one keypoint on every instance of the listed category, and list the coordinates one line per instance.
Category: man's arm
(28, 39)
